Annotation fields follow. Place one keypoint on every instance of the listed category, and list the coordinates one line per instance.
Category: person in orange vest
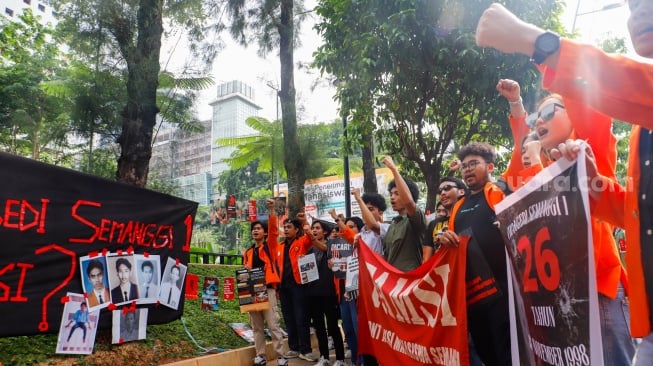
(474, 215)
(262, 254)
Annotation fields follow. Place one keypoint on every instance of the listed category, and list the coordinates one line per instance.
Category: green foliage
(33, 122)
(410, 70)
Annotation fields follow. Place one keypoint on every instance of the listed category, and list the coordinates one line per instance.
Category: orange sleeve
(610, 204)
(519, 131)
(348, 234)
(612, 84)
(596, 128)
(273, 233)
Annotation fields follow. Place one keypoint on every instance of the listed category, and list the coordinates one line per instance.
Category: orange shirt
(622, 88)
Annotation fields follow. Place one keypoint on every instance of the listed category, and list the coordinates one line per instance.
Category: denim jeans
(644, 356)
(349, 316)
(618, 346)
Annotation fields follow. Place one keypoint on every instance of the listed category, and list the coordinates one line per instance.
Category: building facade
(193, 160)
(13, 8)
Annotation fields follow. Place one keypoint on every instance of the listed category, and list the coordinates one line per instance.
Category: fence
(216, 258)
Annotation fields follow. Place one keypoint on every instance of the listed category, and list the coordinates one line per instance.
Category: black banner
(51, 216)
(547, 233)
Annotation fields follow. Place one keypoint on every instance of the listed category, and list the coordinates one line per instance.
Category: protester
(372, 207)
(474, 215)
(450, 190)
(350, 229)
(292, 292)
(322, 297)
(402, 244)
(262, 254)
(574, 71)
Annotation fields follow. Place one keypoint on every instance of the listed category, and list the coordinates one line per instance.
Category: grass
(164, 343)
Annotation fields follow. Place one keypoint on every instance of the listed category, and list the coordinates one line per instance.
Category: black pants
(293, 308)
(322, 307)
(489, 326)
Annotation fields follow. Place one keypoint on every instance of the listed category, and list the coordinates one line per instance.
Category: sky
(238, 63)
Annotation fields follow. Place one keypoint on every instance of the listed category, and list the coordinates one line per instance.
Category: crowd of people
(587, 89)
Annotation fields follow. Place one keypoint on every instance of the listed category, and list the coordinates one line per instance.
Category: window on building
(28, 2)
(9, 12)
(42, 7)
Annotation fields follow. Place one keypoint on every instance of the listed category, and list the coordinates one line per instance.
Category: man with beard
(474, 215)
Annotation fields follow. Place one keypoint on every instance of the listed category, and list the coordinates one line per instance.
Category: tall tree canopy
(128, 34)
(272, 24)
(413, 69)
(33, 123)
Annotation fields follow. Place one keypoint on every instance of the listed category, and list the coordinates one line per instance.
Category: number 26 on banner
(547, 267)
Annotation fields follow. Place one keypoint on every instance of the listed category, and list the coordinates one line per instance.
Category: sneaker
(339, 363)
(281, 361)
(308, 357)
(259, 361)
(322, 362)
(348, 354)
(291, 354)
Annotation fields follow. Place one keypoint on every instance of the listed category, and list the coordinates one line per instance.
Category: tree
(272, 24)
(128, 34)
(318, 143)
(34, 122)
(411, 67)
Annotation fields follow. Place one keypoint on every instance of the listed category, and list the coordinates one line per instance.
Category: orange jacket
(298, 248)
(596, 129)
(622, 88)
(272, 273)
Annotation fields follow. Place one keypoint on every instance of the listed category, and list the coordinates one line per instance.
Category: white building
(193, 160)
(13, 8)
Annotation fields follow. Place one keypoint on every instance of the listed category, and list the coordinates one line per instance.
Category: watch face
(548, 43)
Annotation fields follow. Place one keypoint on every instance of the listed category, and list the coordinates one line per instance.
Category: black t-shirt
(476, 214)
(436, 226)
(324, 285)
(257, 262)
(288, 279)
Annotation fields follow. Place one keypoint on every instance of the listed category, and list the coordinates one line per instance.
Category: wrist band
(518, 101)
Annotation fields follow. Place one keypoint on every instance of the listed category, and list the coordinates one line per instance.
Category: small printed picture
(78, 327)
(128, 325)
(95, 281)
(210, 289)
(148, 273)
(122, 278)
(171, 284)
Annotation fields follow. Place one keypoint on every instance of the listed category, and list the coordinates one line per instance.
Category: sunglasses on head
(547, 113)
(446, 188)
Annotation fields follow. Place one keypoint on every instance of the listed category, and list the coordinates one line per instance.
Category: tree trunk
(369, 171)
(293, 160)
(432, 194)
(139, 116)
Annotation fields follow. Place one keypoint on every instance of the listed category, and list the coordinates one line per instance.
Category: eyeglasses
(547, 113)
(446, 188)
(470, 164)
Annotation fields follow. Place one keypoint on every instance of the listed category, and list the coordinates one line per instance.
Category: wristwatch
(546, 44)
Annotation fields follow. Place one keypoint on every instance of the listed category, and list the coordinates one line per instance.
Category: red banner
(414, 318)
